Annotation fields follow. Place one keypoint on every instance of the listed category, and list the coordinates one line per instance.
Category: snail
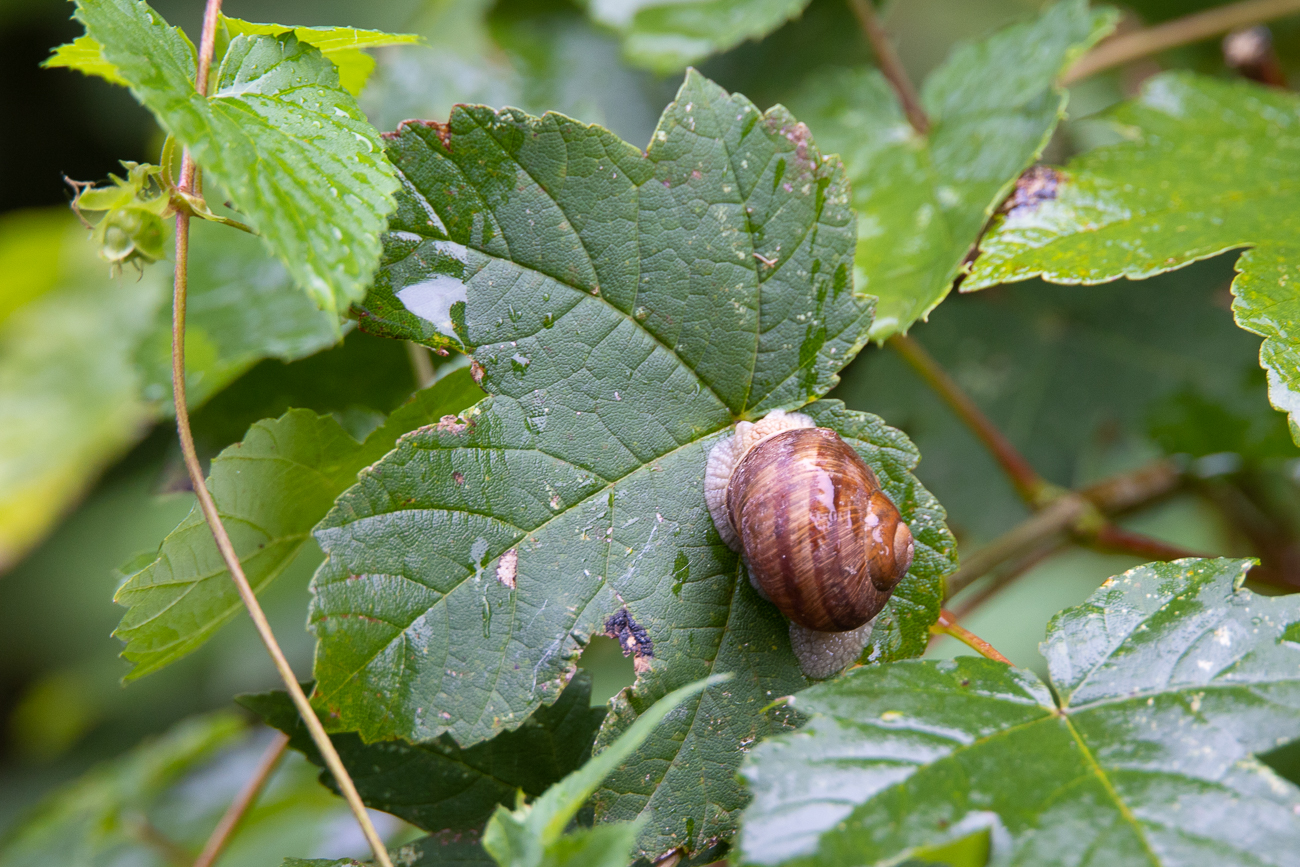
(819, 537)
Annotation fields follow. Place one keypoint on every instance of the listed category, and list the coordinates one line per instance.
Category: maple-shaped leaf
(625, 309)
(1210, 166)
(922, 199)
(1165, 685)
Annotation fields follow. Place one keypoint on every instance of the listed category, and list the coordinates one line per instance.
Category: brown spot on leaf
(507, 566)
(452, 424)
(458, 477)
(476, 371)
(1037, 185)
(632, 637)
(443, 130)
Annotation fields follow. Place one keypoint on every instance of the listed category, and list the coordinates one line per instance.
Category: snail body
(821, 539)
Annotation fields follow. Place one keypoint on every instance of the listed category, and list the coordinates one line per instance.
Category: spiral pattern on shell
(819, 535)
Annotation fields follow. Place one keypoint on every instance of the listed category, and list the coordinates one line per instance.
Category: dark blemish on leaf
(476, 371)
(696, 175)
(458, 477)
(1037, 185)
(632, 637)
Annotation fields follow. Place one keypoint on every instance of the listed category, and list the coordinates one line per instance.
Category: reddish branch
(947, 625)
(890, 65)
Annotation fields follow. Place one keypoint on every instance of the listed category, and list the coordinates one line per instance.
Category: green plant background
(1084, 381)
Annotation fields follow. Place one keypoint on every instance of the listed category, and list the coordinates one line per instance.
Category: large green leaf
(667, 35)
(1138, 208)
(1166, 683)
(270, 490)
(625, 309)
(278, 135)
(922, 200)
(438, 786)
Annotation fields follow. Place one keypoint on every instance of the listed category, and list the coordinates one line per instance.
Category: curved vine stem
(1128, 47)
(189, 185)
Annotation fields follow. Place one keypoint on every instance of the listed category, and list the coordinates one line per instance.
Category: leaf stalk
(890, 64)
(948, 625)
(1031, 487)
(189, 186)
(1127, 47)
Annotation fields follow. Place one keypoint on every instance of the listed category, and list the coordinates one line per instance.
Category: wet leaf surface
(1210, 168)
(1164, 686)
(625, 309)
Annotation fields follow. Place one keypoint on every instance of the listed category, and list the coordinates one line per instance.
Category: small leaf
(85, 54)
(1170, 679)
(667, 36)
(342, 46)
(278, 135)
(1134, 209)
(922, 200)
(439, 786)
(530, 835)
(270, 490)
(624, 310)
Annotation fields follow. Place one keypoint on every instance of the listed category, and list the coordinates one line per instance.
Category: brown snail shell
(820, 538)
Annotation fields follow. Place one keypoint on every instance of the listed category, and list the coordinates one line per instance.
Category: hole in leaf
(610, 670)
(1285, 761)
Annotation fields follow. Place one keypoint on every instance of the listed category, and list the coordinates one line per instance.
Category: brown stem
(139, 826)
(1006, 577)
(1082, 514)
(421, 364)
(1054, 518)
(243, 802)
(1113, 538)
(1125, 491)
(1029, 485)
(1128, 47)
(948, 625)
(208, 506)
(890, 66)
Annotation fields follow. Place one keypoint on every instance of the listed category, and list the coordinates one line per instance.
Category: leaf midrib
(1104, 779)
(583, 293)
(522, 535)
